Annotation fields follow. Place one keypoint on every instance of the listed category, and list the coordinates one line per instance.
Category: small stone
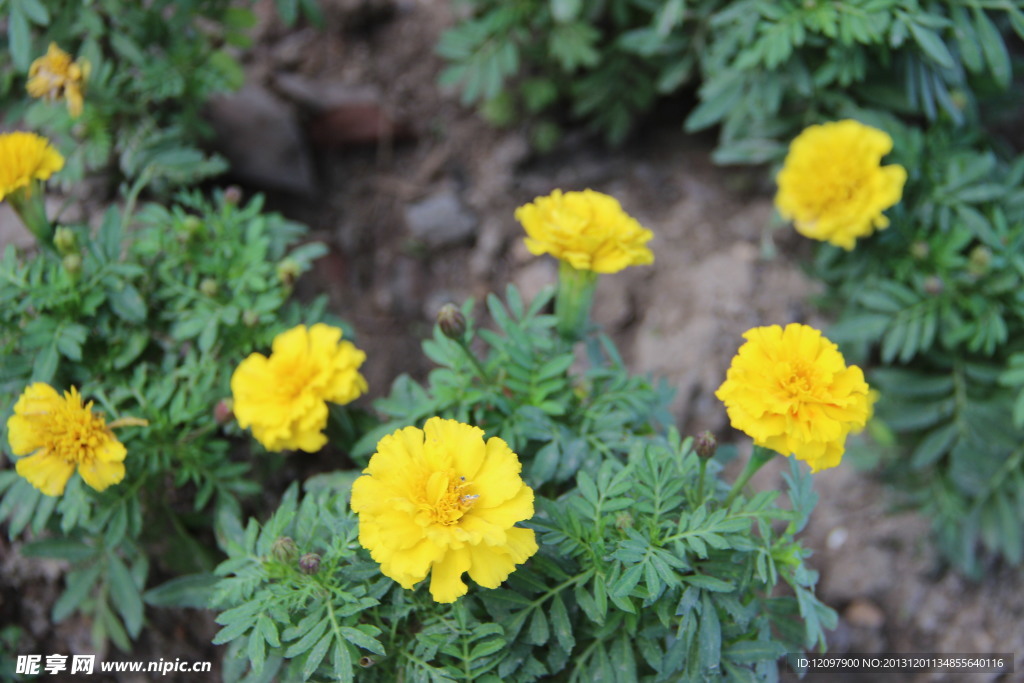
(863, 613)
(260, 138)
(836, 538)
(440, 220)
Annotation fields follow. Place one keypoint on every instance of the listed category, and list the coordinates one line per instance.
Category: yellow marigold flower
(439, 500)
(54, 75)
(64, 435)
(832, 186)
(283, 397)
(790, 390)
(587, 229)
(25, 157)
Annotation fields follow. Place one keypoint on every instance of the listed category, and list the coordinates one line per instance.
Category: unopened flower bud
(223, 412)
(209, 286)
(288, 272)
(705, 444)
(309, 563)
(933, 285)
(451, 321)
(920, 250)
(979, 260)
(72, 263)
(623, 520)
(189, 227)
(65, 242)
(250, 318)
(233, 195)
(366, 662)
(284, 550)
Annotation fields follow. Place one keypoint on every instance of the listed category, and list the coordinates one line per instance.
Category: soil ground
(419, 211)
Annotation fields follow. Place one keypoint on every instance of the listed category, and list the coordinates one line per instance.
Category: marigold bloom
(791, 391)
(63, 435)
(25, 157)
(587, 229)
(54, 75)
(832, 186)
(439, 500)
(283, 397)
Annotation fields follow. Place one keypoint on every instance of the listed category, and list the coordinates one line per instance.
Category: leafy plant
(649, 567)
(937, 296)
(148, 323)
(763, 68)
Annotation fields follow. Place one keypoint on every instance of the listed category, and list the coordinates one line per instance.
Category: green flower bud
(189, 227)
(209, 286)
(920, 250)
(451, 321)
(979, 260)
(72, 263)
(623, 520)
(250, 318)
(933, 285)
(309, 563)
(288, 272)
(65, 241)
(284, 550)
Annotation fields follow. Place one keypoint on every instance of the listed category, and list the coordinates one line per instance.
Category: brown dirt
(719, 271)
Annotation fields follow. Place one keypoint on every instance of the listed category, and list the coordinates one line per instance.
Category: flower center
(445, 498)
(76, 434)
(799, 382)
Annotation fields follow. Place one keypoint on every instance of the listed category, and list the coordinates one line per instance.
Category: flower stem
(474, 360)
(700, 482)
(574, 299)
(758, 458)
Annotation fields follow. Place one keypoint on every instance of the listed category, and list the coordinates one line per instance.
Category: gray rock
(259, 136)
(440, 220)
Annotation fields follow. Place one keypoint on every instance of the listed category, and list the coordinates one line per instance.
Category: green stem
(474, 360)
(758, 458)
(574, 299)
(700, 482)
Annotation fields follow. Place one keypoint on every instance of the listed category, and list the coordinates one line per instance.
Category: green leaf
(79, 585)
(709, 583)
(992, 45)
(19, 37)
(191, 590)
(932, 45)
(565, 10)
(316, 655)
(709, 635)
(127, 303)
(125, 595)
(562, 625)
(59, 548)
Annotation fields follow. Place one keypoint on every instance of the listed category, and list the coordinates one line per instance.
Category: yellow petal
(101, 475)
(446, 583)
(46, 471)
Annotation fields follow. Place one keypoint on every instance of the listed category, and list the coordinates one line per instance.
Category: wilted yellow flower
(25, 157)
(587, 229)
(284, 397)
(439, 500)
(54, 75)
(832, 185)
(790, 390)
(64, 435)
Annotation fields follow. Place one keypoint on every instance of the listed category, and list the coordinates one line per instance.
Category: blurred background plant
(147, 322)
(648, 566)
(934, 301)
(762, 69)
(151, 67)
